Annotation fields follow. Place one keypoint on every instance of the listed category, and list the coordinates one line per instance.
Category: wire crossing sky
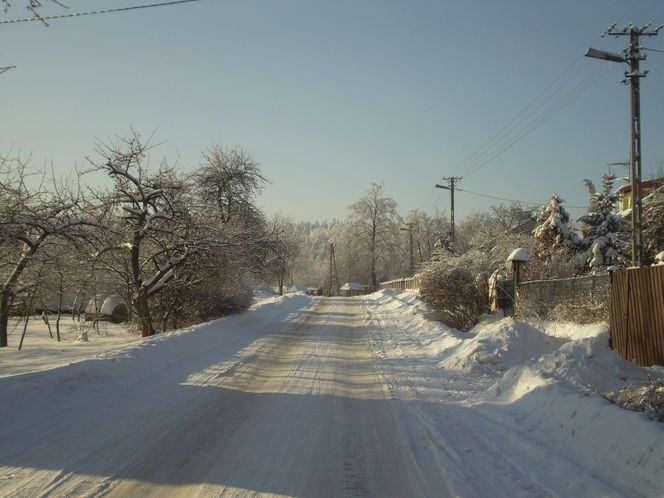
(331, 96)
(44, 18)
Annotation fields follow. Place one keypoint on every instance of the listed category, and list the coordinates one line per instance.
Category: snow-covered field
(305, 396)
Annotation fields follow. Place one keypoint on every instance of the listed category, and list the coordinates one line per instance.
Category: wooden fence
(412, 283)
(637, 314)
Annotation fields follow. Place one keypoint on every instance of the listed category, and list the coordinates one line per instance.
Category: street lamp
(606, 56)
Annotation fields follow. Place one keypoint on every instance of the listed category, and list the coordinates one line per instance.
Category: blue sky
(330, 96)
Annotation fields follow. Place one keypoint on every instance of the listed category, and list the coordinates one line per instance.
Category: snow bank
(405, 310)
(499, 345)
(548, 385)
(551, 410)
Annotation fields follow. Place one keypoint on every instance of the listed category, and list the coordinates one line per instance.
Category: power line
(554, 109)
(513, 200)
(96, 12)
(522, 125)
(504, 130)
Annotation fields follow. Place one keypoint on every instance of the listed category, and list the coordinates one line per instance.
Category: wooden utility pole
(412, 255)
(333, 270)
(633, 56)
(452, 182)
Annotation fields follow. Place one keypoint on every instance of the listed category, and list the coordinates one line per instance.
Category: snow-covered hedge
(451, 288)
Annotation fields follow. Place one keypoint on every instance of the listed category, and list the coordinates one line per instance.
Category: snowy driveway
(319, 402)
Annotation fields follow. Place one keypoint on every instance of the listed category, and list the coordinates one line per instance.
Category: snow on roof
(110, 303)
(352, 286)
(519, 254)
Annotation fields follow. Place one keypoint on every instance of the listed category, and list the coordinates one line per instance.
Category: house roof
(352, 286)
(647, 184)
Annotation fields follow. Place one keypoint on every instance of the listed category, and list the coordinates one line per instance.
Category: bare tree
(229, 180)
(284, 251)
(153, 233)
(375, 223)
(165, 245)
(34, 210)
(428, 232)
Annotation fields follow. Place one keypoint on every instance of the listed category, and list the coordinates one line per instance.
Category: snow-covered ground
(78, 341)
(304, 396)
(541, 390)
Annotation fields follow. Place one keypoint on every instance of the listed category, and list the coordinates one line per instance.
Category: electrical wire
(505, 129)
(513, 200)
(522, 125)
(554, 109)
(96, 12)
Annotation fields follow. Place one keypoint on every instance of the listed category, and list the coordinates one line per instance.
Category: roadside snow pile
(405, 310)
(500, 344)
(574, 331)
(552, 386)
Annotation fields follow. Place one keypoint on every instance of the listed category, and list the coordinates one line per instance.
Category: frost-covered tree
(375, 222)
(285, 250)
(604, 230)
(653, 223)
(35, 211)
(154, 232)
(428, 229)
(554, 229)
(228, 181)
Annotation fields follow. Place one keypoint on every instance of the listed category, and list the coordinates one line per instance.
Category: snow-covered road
(298, 400)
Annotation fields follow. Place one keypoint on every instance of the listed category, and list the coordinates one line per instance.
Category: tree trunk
(144, 318)
(47, 321)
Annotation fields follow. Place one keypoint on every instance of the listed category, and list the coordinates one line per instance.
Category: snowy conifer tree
(605, 231)
(554, 229)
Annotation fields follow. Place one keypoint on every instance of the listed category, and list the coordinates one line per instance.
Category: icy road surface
(314, 403)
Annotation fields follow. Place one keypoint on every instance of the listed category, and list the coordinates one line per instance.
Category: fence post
(516, 259)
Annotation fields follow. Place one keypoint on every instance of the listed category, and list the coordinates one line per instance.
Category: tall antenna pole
(452, 182)
(633, 56)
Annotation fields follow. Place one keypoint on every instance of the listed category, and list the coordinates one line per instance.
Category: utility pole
(633, 56)
(412, 255)
(333, 269)
(452, 182)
